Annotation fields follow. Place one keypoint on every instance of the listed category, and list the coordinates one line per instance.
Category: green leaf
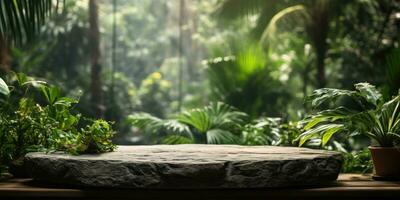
(323, 95)
(146, 122)
(177, 139)
(319, 130)
(175, 127)
(369, 92)
(327, 136)
(4, 88)
(21, 78)
(198, 118)
(65, 101)
(313, 122)
(52, 94)
(305, 138)
(219, 136)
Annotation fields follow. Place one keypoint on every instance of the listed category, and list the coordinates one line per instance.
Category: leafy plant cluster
(359, 162)
(36, 117)
(367, 114)
(217, 123)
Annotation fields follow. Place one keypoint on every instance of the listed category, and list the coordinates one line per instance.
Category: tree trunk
(94, 45)
(318, 31)
(321, 67)
(5, 58)
(180, 53)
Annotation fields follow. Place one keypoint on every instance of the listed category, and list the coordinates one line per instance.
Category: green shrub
(35, 117)
(270, 131)
(358, 162)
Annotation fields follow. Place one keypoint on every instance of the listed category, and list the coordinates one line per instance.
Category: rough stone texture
(189, 166)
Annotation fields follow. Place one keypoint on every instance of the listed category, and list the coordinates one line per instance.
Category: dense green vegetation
(199, 71)
(35, 117)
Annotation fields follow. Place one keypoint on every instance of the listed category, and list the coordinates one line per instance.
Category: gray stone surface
(189, 166)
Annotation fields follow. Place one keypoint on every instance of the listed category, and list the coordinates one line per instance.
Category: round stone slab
(189, 166)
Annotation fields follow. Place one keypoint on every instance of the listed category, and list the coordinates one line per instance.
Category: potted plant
(362, 111)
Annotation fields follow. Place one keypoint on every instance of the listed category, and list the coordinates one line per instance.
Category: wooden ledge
(355, 186)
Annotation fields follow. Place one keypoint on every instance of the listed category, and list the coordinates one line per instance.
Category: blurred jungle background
(145, 64)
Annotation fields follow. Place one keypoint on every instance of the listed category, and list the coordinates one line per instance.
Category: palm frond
(146, 122)
(224, 115)
(244, 81)
(287, 12)
(150, 124)
(219, 136)
(217, 123)
(177, 128)
(197, 118)
(233, 9)
(20, 20)
(217, 114)
(177, 139)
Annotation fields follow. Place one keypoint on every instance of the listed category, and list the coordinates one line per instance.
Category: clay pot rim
(379, 147)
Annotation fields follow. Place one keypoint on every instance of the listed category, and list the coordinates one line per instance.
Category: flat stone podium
(189, 166)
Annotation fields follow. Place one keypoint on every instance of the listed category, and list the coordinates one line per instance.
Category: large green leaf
(329, 133)
(329, 115)
(369, 92)
(323, 95)
(328, 129)
(4, 88)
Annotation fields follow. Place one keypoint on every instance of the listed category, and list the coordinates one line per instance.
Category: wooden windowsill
(355, 186)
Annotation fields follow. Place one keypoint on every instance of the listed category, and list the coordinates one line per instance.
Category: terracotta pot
(386, 161)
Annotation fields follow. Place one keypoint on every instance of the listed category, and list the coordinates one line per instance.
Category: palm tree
(314, 15)
(20, 21)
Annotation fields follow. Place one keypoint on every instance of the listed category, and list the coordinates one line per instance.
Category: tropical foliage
(359, 162)
(21, 20)
(36, 117)
(153, 67)
(370, 115)
(246, 81)
(217, 123)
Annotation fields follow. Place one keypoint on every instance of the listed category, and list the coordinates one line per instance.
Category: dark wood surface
(348, 186)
